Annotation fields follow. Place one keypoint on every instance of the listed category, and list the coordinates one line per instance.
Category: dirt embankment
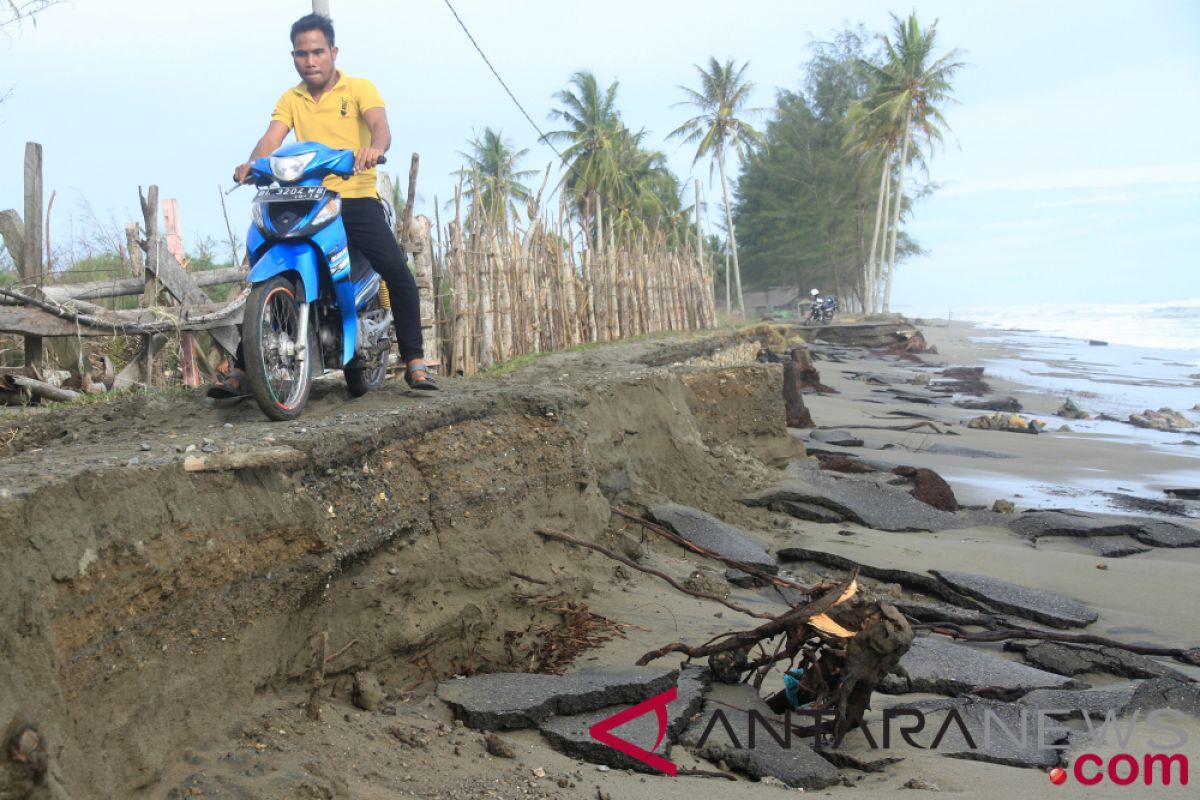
(145, 608)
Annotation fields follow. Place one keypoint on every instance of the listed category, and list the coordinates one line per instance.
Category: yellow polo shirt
(335, 121)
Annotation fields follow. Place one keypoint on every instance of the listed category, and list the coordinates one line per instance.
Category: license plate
(294, 192)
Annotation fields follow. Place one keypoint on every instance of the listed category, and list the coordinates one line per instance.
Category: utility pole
(321, 7)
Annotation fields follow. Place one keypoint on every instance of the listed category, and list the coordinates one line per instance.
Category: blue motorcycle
(314, 303)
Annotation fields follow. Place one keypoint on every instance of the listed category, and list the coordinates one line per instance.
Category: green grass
(510, 366)
(115, 396)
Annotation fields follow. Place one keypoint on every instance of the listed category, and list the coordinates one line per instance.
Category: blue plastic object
(791, 686)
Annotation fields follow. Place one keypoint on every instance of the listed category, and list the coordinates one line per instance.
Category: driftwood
(695, 548)
(912, 427)
(37, 388)
(954, 631)
(837, 649)
(562, 537)
(788, 623)
(323, 660)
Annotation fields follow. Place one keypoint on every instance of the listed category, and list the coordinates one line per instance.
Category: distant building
(782, 300)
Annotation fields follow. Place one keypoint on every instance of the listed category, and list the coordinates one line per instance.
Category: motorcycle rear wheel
(370, 376)
(279, 381)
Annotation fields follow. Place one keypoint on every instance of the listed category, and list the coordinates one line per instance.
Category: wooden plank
(12, 229)
(126, 287)
(35, 322)
(175, 280)
(134, 370)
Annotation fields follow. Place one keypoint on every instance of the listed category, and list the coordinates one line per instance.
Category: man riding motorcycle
(343, 112)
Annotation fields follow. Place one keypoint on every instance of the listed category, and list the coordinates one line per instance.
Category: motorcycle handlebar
(231, 189)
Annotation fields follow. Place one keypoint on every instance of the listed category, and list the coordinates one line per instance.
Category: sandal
(417, 376)
(234, 385)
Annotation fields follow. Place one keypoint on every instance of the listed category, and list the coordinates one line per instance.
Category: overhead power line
(542, 136)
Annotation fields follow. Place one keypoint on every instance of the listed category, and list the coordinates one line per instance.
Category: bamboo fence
(503, 293)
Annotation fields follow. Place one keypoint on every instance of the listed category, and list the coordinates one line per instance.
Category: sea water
(1113, 359)
(1117, 358)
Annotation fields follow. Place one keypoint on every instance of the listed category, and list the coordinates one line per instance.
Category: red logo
(601, 731)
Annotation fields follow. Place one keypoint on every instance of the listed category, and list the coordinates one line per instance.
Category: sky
(1071, 174)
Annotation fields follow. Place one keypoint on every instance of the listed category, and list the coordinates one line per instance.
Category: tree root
(1189, 656)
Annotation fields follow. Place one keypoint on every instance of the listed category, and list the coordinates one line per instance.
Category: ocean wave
(1167, 325)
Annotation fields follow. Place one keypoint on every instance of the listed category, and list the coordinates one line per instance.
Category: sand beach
(457, 581)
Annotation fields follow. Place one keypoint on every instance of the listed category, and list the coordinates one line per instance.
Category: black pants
(367, 231)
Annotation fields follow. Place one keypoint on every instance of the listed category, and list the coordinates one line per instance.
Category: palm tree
(492, 177)
(723, 95)
(909, 86)
(609, 170)
(874, 140)
(594, 134)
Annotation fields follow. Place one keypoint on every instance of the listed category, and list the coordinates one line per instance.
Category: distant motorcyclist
(821, 308)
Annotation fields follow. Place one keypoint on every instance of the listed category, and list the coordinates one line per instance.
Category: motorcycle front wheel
(279, 380)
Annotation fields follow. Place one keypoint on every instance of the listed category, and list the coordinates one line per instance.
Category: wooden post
(460, 336)
(418, 240)
(31, 255)
(137, 259)
(174, 236)
(150, 269)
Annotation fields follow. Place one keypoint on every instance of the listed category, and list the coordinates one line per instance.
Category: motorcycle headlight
(257, 212)
(331, 210)
(290, 168)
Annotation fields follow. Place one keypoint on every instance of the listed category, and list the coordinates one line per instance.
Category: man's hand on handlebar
(241, 173)
(367, 158)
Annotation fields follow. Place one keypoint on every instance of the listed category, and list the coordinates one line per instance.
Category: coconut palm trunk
(872, 279)
(887, 290)
(881, 261)
(737, 273)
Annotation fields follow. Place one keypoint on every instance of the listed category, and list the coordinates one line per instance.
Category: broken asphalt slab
(571, 735)
(936, 611)
(1076, 659)
(919, 580)
(797, 765)
(1039, 605)
(703, 529)
(1072, 703)
(1147, 530)
(1115, 546)
(964, 452)
(809, 512)
(938, 666)
(999, 733)
(868, 503)
(837, 438)
(1181, 695)
(502, 700)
